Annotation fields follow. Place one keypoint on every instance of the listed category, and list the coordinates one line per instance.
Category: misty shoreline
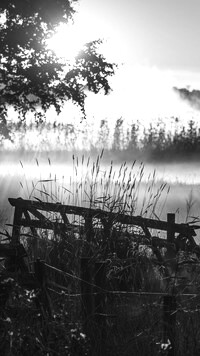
(116, 156)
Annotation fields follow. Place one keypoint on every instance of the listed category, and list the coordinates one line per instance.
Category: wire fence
(128, 320)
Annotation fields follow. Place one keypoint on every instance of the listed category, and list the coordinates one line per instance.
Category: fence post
(43, 297)
(169, 321)
(16, 225)
(89, 228)
(171, 253)
(86, 290)
(99, 317)
(39, 268)
(170, 231)
(100, 279)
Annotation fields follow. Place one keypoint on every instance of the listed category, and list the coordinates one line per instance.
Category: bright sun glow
(70, 38)
(67, 41)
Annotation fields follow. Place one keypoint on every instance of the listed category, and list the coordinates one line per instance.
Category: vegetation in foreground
(134, 323)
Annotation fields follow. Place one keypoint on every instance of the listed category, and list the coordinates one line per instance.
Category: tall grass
(124, 189)
(91, 183)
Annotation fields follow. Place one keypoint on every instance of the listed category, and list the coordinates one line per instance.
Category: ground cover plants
(134, 322)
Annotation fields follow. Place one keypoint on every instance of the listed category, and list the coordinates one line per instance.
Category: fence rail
(33, 206)
(28, 214)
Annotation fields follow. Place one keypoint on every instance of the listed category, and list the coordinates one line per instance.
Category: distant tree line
(153, 142)
(157, 141)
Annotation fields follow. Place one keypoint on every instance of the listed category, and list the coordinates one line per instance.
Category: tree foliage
(32, 77)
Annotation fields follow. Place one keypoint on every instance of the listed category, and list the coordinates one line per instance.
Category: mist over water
(64, 182)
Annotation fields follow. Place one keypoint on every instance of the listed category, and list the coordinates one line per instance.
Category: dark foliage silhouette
(32, 77)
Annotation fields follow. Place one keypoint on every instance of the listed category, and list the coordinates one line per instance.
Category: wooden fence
(28, 214)
(57, 217)
(33, 214)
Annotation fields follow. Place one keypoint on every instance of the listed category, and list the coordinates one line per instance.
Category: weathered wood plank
(98, 213)
(37, 214)
(28, 218)
(65, 218)
(16, 225)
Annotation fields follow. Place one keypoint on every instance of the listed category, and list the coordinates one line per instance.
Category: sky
(155, 43)
(164, 33)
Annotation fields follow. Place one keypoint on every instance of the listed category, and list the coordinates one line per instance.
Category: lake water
(73, 182)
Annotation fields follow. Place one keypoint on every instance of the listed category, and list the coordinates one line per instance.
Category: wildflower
(165, 346)
(8, 320)
(83, 335)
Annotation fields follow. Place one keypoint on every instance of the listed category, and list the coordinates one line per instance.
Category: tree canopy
(32, 77)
